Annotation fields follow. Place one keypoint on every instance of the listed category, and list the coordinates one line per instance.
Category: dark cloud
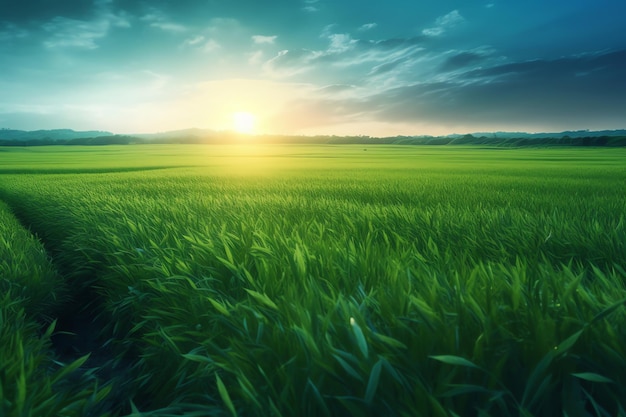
(537, 92)
(408, 81)
(560, 71)
(561, 94)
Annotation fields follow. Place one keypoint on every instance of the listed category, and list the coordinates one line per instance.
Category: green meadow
(312, 280)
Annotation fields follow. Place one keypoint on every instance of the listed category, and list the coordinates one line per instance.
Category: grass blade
(225, 396)
(454, 360)
(593, 377)
(372, 383)
(360, 337)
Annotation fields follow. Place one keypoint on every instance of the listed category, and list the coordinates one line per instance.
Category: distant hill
(192, 135)
(50, 135)
(612, 138)
(192, 132)
(543, 135)
(212, 136)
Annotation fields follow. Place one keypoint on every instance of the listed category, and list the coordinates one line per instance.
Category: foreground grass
(26, 273)
(32, 383)
(329, 280)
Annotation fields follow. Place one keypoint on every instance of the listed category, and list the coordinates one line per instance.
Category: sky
(344, 67)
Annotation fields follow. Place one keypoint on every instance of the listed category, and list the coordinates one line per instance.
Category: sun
(243, 122)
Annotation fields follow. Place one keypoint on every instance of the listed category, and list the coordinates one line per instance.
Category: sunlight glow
(243, 122)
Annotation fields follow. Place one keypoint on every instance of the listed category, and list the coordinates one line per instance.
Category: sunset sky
(313, 66)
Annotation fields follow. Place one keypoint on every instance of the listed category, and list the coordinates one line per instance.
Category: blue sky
(313, 66)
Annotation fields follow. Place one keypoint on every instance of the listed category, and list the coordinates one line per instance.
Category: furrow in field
(35, 379)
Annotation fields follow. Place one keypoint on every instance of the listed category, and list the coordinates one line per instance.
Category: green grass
(26, 273)
(32, 382)
(330, 280)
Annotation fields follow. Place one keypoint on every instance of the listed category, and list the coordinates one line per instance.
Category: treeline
(597, 141)
(100, 140)
(609, 141)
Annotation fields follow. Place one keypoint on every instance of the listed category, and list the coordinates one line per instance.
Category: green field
(286, 280)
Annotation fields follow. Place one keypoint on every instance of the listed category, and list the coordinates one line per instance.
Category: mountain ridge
(50, 134)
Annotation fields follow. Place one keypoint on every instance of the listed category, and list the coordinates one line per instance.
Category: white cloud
(255, 57)
(450, 19)
(328, 30)
(119, 21)
(158, 20)
(310, 6)
(194, 41)
(289, 63)
(83, 34)
(383, 62)
(156, 81)
(444, 23)
(103, 7)
(202, 43)
(169, 26)
(221, 34)
(211, 45)
(340, 42)
(436, 31)
(73, 33)
(339, 91)
(260, 39)
(367, 26)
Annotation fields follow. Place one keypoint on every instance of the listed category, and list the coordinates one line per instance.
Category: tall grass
(26, 273)
(32, 382)
(312, 281)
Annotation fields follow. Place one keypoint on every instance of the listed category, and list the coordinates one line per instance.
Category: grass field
(316, 280)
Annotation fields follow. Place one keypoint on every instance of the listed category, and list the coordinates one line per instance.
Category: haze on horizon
(313, 66)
